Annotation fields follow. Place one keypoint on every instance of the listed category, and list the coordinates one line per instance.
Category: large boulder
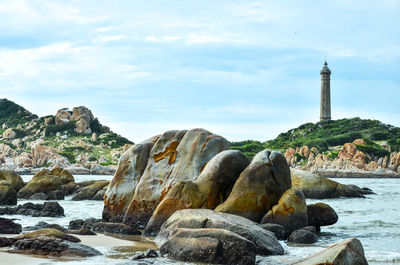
(259, 186)
(8, 196)
(42, 155)
(211, 188)
(63, 174)
(209, 245)
(83, 117)
(348, 252)
(9, 134)
(9, 227)
(175, 156)
(11, 178)
(321, 214)
(42, 182)
(62, 117)
(290, 212)
(91, 192)
(316, 187)
(265, 241)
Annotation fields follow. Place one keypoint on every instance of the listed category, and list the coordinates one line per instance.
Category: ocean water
(374, 220)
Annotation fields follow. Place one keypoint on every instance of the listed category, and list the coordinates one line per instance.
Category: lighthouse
(325, 113)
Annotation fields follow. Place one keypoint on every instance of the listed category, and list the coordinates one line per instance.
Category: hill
(326, 134)
(64, 139)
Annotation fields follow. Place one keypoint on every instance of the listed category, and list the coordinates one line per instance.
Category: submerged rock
(348, 252)
(209, 245)
(211, 188)
(265, 241)
(47, 209)
(259, 186)
(7, 226)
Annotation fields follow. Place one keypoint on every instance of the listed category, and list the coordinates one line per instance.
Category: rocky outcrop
(348, 252)
(9, 227)
(12, 179)
(95, 191)
(314, 186)
(42, 155)
(9, 134)
(82, 117)
(265, 241)
(47, 209)
(211, 188)
(209, 245)
(8, 196)
(290, 212)
(63, 116)
(259, 186)
(175, 156)
(51, 242)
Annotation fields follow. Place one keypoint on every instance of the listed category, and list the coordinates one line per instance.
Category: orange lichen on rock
(170, 152)
(207, 140)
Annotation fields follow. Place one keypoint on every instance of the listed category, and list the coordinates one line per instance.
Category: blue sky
(242, 69)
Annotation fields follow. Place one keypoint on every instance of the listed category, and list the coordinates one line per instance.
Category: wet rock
(278, 230)
(55, 195)
(150, 253)
(116, 228)
(85, 232)
(8, 196)
(302, 236)
(265, 241)
(11, 178)
(38, 196)
(211, 188)
(321, 214)
(290, 212)
(82, 224)
(43, 182)
(89, 192)
(5, 242)
(348, 252)
(47, 209)
(259, 186)
(43, 225)
(209, 245)
(9, 227)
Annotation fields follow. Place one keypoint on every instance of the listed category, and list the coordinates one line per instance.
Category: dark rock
(321, 214)
(209, 245)
(47, 209)
(9, 227)
(310, 228)
(116, 228)
(38, 196)
(55, 195)
(302, 236)
(150, 253)
(8, 195)
(5, 242)
(265, 241)
(50, 246)
(278, 230)
(42, 225)
(82, 224)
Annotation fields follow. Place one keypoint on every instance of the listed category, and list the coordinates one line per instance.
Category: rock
(42, 155)
(321, 214)
(55, 195)
(348, 252)
(43, 225)
(23, 161)
(115, 228)
(211, 188)
(5, 242)
(359, 159)
(209, 245)
(47, 209)
(259, 186)
(62, 117)
(359, 142)
(290, 212)
(348, 151)
(9, 134)
(12, 179)
(150, 253)
(316, 187)
(89, 192)
(83, 117)
(48, 120)
(9, 227)
(38, 196)
(84, 232)
(175, 156)
(43, 181)
(82, 224)
(8, 196)
(278, 230)
(265, 241)
(94, 137)
(302, 236)
(63, 174)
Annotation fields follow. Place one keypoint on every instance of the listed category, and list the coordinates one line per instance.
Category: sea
(374, 220)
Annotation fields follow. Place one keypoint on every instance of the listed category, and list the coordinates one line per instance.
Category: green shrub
(53, 129)
(68, 155)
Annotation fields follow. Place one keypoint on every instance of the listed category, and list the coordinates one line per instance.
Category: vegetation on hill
(13, 114)
(325, 134)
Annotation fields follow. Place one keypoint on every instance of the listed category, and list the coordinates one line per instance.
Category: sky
(240, 69)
